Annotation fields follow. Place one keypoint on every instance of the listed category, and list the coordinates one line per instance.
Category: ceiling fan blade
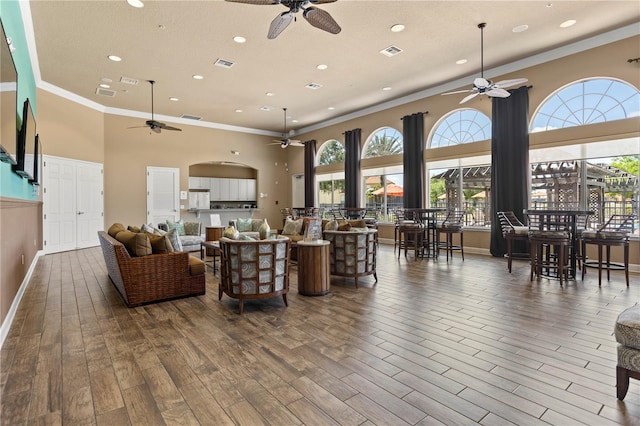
(165, 127)
(481, 83)
(508, 83)
(468, 98)
(278, 25)
(497, 92)
(322, 1)
(258, 2)
(155, 129)
(295, 143)
(458, 91)
(321, 19)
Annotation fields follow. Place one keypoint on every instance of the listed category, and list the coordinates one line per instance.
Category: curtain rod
(425, 113)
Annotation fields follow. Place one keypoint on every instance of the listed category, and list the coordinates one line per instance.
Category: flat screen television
(26, 143)
(37, 162)
(8, 103)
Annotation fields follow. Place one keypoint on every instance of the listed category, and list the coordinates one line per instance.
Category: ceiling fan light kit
(482, 86)
(285, 141)
(316, 17)
(152, 124)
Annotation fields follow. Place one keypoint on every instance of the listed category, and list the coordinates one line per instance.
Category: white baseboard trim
(6, 324)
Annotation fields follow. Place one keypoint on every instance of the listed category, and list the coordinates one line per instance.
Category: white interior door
(297, 190)
(72, 204)
(163, 194)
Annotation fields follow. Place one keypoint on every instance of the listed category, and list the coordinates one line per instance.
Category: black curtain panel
(509, 164)
(309, 172)
(413, 159)
(352, 168)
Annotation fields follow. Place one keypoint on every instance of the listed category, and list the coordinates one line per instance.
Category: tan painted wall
(128, 152)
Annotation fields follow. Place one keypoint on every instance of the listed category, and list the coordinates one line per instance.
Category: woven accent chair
(627, 332)
(254, 269)
(550, 242)
(614, 233)
(352, 253)
(452, 224)
(512, 230)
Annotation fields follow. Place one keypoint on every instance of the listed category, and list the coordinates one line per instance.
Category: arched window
(590, 101)
(384, 141)
(460, 126)
(331, 152)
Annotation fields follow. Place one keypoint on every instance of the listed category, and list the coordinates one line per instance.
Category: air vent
(313, 86)
(129, 80)
(266, 108)
(105, 92)
(223, 63)
(190, 117)
(391, 51)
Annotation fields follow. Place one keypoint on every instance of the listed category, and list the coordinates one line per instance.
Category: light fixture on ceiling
(265, 108)
(106, 80)
(174, 99)
(386, 88)
(114, 58)
(238, 110)
(269, 94)
(136, 3)
(461, 61)
(322, 67)
(520, 28)
(105, 86)
(239, 39)
(235, 152)
(197, 77)
(568, 23)
(331, 108)
(397, 28)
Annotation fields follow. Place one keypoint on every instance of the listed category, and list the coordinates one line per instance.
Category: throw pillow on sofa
(292, 227)
(137, 244)
(179, 226)
(244, 225)
(192, 228)
(160, 244)
(175, 240)
(231, 233)
(115, 228)
(332, 225)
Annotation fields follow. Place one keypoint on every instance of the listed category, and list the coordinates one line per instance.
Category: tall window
(589, 101)
(330, 186)
(460, 126)
(383, 187)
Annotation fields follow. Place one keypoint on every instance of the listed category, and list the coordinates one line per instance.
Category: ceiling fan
(285, 141)
(481, 86)
(316, 17)
(154, 125)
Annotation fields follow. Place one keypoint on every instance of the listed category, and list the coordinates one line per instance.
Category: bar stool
(550, 242)
(452, 224)
(411, 237)
(512, 230)
(614, 233)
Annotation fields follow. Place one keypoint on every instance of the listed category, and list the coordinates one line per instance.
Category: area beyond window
(589, 101)
(331, 152)
(384, 141)
(461, 126)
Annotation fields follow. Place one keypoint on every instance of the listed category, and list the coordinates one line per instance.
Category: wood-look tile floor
(432, 343)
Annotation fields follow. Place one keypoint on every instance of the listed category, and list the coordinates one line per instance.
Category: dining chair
(614, 233)
(512, 230)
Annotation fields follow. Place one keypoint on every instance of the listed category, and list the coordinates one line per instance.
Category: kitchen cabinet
(252, 190)
(234, 185)
(199, 200)
(198, 183)
(226, 189)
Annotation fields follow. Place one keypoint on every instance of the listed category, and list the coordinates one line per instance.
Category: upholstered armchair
(254, 269)
(352, 253)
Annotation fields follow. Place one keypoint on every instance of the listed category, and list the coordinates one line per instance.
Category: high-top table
(547, 216)
(426, 217)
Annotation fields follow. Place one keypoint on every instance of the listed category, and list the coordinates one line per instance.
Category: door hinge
(102, 214)
(101, 192)
(45, 217)
(44, 190)
(45, 242)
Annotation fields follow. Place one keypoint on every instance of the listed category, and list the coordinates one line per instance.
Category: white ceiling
(74, 38)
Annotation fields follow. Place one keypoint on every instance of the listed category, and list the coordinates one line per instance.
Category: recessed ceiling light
(549, 5)
(461, 61)
(397, 28)
(174, 99)
(568, 23)
(520, 28)
(104, 86)
(235, 152)
(161, 27)
(322, 67)
(198, 77)
(239, 39)
(331, 108)
(238, 110)
(114, 58)
(135, 3)
(386, 89)
(294, 121)
(106, 80)
(270, 94)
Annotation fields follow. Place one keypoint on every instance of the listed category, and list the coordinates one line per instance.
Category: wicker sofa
(151, 278)
(352, 253)
(254, 269)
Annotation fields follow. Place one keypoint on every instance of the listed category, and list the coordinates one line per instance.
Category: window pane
(386, 141)
(461, 126)
(331, 152)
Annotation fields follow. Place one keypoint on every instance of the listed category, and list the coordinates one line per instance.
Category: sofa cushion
(160, 244)
(344, 225)
(358, 223)
(256, 224)
(196, 266)
(175, 240)
(627, 329)
(137, 244)
(332, 225)
(292, 227)
(244, 225)
(114, 229)
(188, 241)
(133, 229)
(179, 226)
(192, 228)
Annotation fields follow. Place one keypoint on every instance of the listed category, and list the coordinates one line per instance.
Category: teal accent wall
(11, 184)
